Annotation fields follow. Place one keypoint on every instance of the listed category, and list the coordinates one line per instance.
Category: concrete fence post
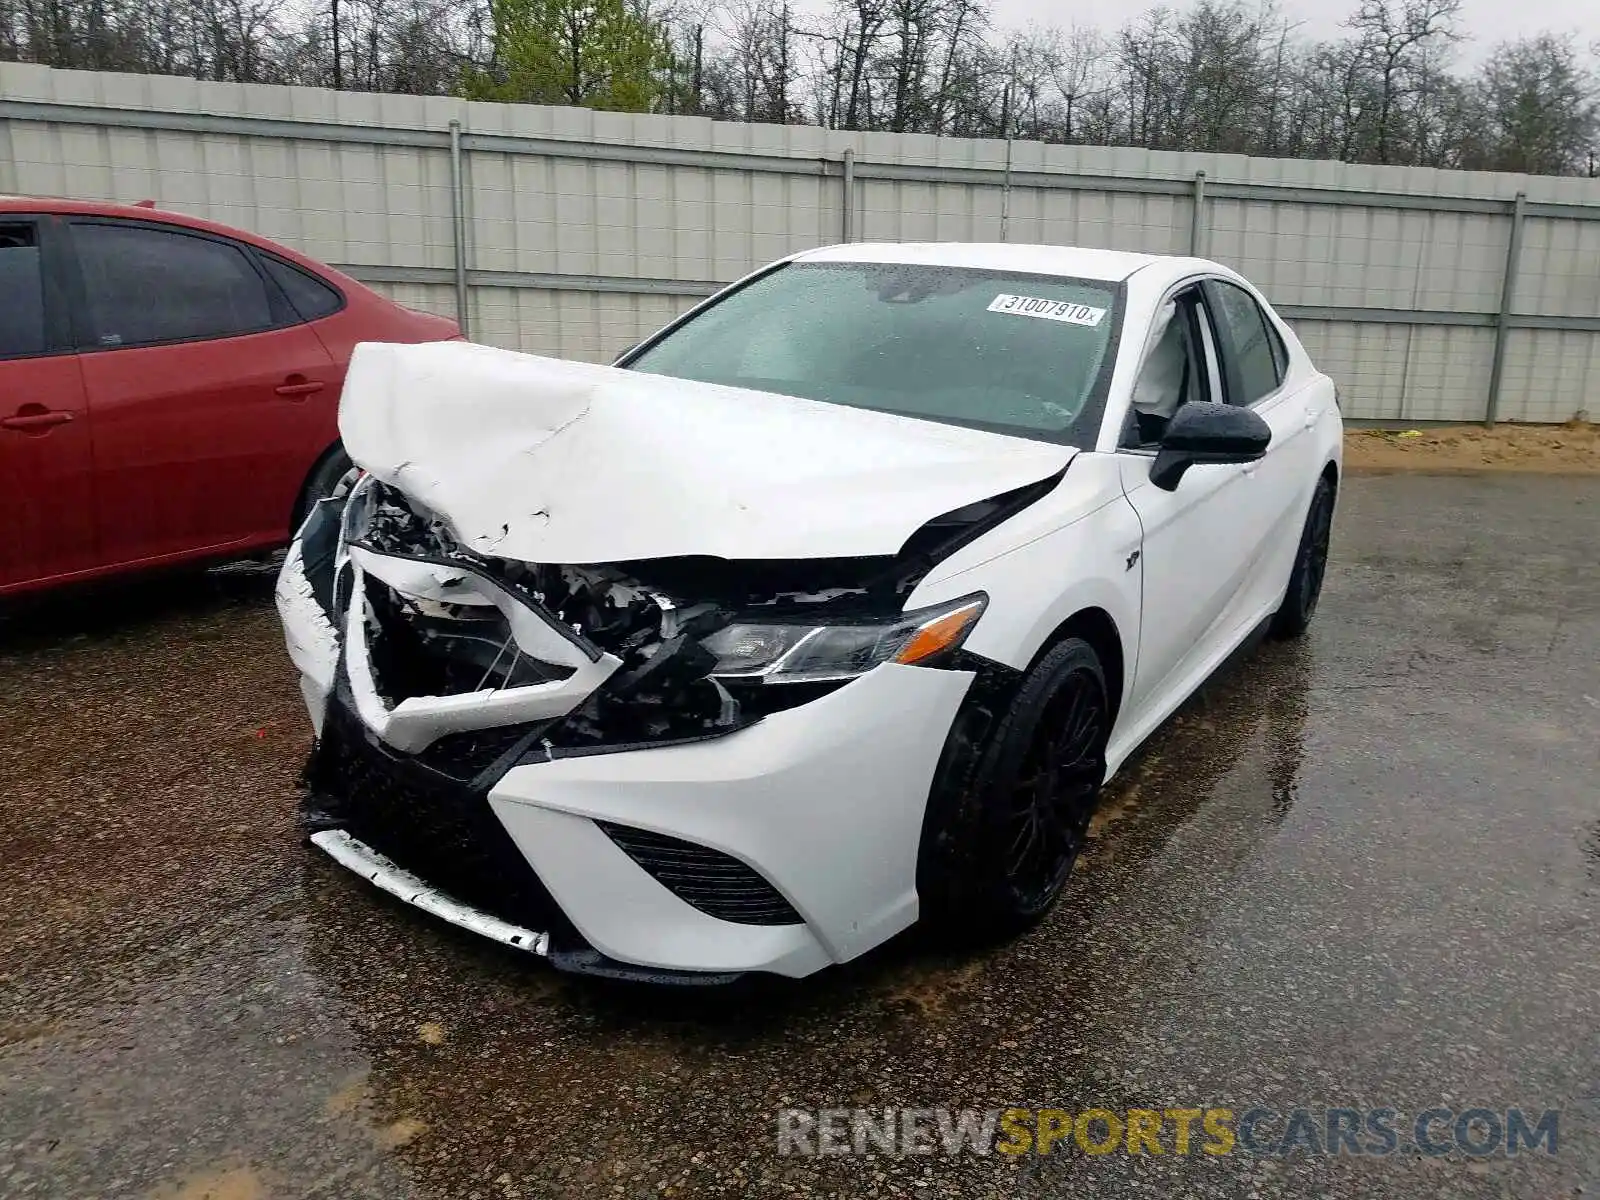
(1005, 195)
(458, 228)
(1502, 321)
(1197, 215)
(847, 225)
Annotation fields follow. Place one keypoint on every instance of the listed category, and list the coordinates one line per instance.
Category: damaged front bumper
(619, 838)
(823, 803)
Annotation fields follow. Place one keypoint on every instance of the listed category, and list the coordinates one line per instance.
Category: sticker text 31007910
(1049, 310)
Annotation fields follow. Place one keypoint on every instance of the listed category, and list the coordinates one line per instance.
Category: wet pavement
(1361, 871)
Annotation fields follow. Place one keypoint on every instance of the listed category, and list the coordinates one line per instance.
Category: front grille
(466, 755)
(440, 829)
(715, 883)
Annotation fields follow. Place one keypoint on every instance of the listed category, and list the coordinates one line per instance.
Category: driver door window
(1174, 371)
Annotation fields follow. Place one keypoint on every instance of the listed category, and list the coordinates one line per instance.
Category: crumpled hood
(542, 460)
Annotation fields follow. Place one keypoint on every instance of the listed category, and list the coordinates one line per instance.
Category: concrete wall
(581, 231)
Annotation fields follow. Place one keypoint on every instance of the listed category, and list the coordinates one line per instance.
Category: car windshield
(1027, 355)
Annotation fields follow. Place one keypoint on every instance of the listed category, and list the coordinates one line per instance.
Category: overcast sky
(1487, 21)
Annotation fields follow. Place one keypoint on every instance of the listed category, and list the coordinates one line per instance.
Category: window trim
(1274, 342)
(86, 336)
(58, 331)
(1280, 348)
(1211, 347)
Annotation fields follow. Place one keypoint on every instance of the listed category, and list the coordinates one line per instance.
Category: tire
(998, 854)
(1310, 565)
(325, 479)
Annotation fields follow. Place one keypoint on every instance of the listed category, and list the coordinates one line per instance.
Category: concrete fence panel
(1428, 295)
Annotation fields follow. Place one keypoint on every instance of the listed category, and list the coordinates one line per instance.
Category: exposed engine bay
(697, 646)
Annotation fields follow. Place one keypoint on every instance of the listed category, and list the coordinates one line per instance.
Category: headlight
(383, 518)
(359, 505)
(778, 653)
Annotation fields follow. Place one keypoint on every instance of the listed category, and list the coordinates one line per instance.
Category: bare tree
(1079, 77)
(966, 25)
(1199, 75)
(1141, 54)
(865, 22)
(1539, 106)
(1390, 45)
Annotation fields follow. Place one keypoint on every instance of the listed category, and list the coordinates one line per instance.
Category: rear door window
(1248, 343)
(145, 286)
(22, 329)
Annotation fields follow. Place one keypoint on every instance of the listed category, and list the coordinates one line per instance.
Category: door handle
(1313, 416)
(35, 420)
(295, 388)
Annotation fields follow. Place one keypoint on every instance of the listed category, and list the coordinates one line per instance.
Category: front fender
(1068, 553)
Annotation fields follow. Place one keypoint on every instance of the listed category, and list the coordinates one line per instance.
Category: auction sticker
(1049, 310)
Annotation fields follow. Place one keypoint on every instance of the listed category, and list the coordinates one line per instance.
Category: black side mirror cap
(1201, 432)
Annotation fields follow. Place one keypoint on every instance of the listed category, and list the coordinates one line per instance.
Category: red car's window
(308, 295)
(21, 292)
(147, 285)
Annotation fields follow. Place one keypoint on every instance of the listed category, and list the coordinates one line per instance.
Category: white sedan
(828, 609)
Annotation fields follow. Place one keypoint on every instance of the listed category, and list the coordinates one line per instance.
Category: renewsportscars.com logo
(1312, 1130)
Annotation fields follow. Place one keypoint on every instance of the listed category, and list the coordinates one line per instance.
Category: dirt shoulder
(1570, 449)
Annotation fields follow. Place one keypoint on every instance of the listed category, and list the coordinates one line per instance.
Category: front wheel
(1310, 564)
(1022, 821)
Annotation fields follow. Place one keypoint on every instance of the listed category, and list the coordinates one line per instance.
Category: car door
(46, 484)
(1255, 363)
(209, 397)
(1201, 539)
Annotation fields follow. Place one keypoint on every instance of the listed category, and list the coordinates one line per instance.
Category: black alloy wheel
(1054, 793)
(1310, 565)
(1009, 812)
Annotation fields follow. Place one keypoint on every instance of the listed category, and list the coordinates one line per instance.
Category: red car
(169, 387)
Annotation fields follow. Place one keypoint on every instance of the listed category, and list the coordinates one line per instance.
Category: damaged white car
(829, 608)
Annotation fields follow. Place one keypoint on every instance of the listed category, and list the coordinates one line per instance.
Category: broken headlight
(781, 653)
(382, 518)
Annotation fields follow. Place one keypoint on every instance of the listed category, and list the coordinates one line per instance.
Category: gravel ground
(1570, 449)
(1361, 870)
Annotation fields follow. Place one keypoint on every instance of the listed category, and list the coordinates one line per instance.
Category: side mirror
(1201, 432)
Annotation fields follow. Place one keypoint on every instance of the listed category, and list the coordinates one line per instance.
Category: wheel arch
(1097, 627)
(298, 511)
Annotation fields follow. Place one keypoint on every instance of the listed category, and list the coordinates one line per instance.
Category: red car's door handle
(35, 420)
(296, 387)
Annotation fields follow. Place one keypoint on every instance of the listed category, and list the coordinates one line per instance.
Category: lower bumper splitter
(366, 862)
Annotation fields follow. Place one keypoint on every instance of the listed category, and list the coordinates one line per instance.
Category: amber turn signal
(939, 634)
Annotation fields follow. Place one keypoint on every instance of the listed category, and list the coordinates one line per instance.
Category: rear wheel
(332, 473)
(1021, 823)
(1310, 565)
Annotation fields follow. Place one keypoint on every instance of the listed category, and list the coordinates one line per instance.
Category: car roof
(144, 211)
(1073, 261)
